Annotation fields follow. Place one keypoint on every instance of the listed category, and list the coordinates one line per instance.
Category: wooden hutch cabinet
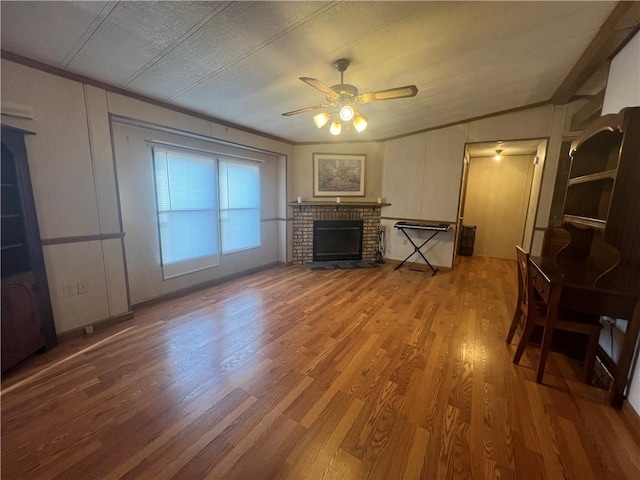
(27, 319)
(602, 204)
(600, 265)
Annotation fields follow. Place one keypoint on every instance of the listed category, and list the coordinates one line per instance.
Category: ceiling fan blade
(390, 94)
(318, 85)
(302, 110)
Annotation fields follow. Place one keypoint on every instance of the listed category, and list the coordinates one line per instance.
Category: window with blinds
(207, 205)
(239, 204)
(188, 211)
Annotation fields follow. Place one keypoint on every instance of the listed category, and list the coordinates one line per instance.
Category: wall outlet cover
(82, 287)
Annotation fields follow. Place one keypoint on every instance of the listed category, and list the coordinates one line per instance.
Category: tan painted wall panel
(102, 154)
(531, 123)
(623, 90)
(534, 197)
(68, 264)
(496, 203)
(442, 173)
(115, 276)
(404, 164)
(302, 168)
(59, 153)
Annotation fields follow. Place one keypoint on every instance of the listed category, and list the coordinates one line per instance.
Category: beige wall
(302, 168)
(422, 182)
(300, 175)
(530, 235)
(496, 203)
(422, 174)
(623, 86)
(137, 195)
(75, 190)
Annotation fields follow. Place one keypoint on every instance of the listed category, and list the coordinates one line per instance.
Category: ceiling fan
(342, 97)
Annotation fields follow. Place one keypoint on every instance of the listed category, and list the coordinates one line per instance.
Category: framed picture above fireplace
(338, 175)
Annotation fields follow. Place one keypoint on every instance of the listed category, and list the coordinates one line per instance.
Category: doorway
(497, 195)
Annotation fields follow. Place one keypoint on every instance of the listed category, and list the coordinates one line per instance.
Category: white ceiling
(239, 62)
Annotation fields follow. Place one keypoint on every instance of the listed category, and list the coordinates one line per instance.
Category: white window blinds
(239, 204)
(186, 194)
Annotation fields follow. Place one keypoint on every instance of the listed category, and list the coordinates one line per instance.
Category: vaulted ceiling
(239, 62)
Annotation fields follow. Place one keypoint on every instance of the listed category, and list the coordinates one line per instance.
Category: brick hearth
(304, 215)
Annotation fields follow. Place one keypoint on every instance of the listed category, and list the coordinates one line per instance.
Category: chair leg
(544, 351)
(590, 357)
(524, 339)
(517, 315)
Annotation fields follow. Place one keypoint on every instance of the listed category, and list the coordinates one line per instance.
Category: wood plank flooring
(292, 373)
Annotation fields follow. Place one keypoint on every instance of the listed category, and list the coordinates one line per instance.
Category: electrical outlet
(69, 289)
(82, 287)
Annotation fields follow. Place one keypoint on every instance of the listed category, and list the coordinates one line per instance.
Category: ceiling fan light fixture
(360, 122)
(341, 98)
(347, 113)
(336, 127)
(321, 119)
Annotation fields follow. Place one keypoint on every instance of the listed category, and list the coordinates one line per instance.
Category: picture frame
(338, 175)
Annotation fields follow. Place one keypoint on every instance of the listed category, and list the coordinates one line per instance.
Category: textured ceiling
(239, 62)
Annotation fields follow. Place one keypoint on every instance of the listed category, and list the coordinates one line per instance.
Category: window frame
(195, 264)
(241, 161)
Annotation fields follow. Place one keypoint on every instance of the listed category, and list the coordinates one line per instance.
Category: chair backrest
(524, 285)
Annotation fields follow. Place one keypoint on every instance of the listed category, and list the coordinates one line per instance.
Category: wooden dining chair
(548, 315)
(522, 304)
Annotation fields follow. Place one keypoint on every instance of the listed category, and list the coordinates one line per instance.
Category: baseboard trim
(99, 325)
(632, 416)
(201, 286)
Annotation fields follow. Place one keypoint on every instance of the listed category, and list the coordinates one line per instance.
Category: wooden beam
(614, 34)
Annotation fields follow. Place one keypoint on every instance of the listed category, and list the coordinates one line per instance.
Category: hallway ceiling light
(498, 157)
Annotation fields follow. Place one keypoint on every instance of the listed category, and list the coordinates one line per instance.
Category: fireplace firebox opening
(337, 240)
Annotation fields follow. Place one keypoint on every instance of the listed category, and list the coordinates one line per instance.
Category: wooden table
(567, 289)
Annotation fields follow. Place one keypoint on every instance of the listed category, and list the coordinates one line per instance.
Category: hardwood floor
(292, 373)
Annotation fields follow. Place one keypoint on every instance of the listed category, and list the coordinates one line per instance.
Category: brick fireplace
(304, 215)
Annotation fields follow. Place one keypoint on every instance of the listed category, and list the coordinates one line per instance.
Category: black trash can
(466, 241)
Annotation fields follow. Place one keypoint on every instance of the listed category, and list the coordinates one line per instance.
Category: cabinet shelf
(590, 197)
(596, 154)
(602, 201)
(587, 222)
(12, 246)
(594, 177)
